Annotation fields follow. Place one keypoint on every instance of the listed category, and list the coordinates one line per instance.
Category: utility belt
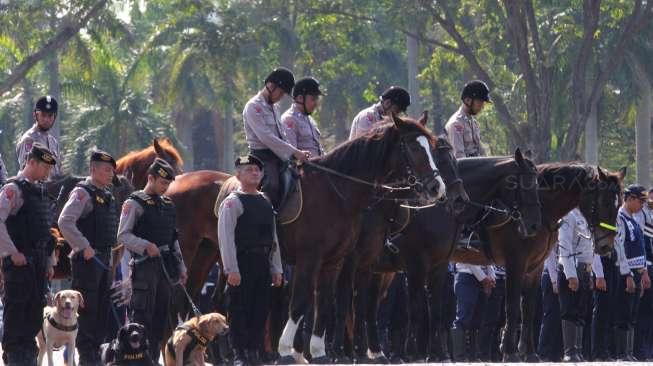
(256, 250)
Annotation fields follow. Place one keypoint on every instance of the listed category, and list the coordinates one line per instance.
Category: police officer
(147, 229)
(549, 347)
(25, 244)
(494, 316)
(473, 285)
(89, 222)
(644, 330)
(301, 129)
(576, 253)
(606, 277)
(394, 100)
(45, 114)
(462, 129)
(631, 258)
(251, 258)
(266, 137)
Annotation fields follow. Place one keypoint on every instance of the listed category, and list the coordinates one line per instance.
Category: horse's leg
(303, 285)
(526, 338)
(324, 308)
(344, 298)
(370, 286)
(416, 274)
(515, 269)
(437, 329)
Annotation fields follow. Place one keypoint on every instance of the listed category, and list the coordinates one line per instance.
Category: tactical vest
(633, 243)
(100, 226)
(254, 228)
(29, 228)
(157, 223)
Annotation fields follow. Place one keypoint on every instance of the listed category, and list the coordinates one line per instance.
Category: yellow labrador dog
(60, 325)
(188, 342)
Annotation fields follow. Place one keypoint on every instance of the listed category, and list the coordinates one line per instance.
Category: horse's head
(520, 193)
(121, 187)
(599, 203)
(166, 151)
(414, 160)
(447, 163)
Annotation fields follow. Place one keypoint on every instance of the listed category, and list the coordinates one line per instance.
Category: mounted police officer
(575, 257)
(45, 115)
(147, 229)
(266, 137)
(251, 258)
(89, 223)
(631, 258)
(25, 244)
(394, 100)
(462, 129)
(301, 129)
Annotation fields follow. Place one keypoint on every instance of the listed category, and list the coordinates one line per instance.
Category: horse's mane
(135, 157)
(566, 175)
(364, 154)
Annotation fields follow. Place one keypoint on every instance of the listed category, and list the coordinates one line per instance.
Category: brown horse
(561, 187)
(429, 239)
(325, 232)
(134, 165)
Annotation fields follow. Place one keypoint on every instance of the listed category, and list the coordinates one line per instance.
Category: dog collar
(61, 327)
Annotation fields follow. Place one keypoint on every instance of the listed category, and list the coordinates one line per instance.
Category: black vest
(254, 228)
(100, 226)
(158, 222)
(29, 229)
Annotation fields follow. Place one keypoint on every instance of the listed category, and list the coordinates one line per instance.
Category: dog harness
(196, 338)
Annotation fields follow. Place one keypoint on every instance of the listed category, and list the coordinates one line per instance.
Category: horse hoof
(511, 357)
(286, 360)
(322, 360)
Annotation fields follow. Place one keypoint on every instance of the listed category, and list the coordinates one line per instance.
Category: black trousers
(604, 311)
(574, 306)
(92, 280)
(550, 342)
(150, 302)
(24, 299)
(271, 180)
(249, 302)
(626, 313)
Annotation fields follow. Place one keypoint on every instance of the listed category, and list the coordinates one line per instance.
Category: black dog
(130, 348)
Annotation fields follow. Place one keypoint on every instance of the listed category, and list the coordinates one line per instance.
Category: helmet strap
(270, 91)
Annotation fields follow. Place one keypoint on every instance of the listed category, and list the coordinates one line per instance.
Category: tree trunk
(413, 84)
(28, 103)
(592, 137)
(55, 91)
(184, 127)
(643, 123)
(227, 148)
(204, 152)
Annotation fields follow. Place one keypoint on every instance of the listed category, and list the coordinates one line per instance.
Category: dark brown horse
(562, 187)
(429, 239)
(134, 165)
(324, 234)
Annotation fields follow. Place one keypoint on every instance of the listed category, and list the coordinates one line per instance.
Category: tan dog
(188, 342)
(60, 325)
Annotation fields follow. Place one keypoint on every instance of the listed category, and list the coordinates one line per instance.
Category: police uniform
(301, 130)
(631, 258)
(464, 135)
(365, 120)
(149, 218)
(90, 219)
(248, 246)
(35, 134)
(470, 301)
(266, 137)
(549, 346)
(576, 254)
(644, 329)
(494, 317)
(24, 228)
(604, 306)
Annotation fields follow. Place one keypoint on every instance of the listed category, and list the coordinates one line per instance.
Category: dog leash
(116, 317)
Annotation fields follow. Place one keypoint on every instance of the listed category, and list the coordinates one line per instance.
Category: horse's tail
(228, 186)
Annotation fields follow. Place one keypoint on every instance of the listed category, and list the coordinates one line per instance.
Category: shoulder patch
(290, 123)
(126, 209)
(10, 193)
(258, 109)
(459, 127)
(370, 118)
(79, 195)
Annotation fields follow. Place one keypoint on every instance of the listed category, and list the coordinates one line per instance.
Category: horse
(429, 239)
(337, 187)
(134, 165)
(561, 188)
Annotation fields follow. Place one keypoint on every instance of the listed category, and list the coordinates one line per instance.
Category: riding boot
(630, 345)
(286, 183)
(621, 344)
(579, 343)
(459, 351)
(569, 341)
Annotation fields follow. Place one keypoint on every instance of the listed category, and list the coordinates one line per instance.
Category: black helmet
(398, 96)
(476, 89)
(306, 86)
(282, 78)
(46, 104)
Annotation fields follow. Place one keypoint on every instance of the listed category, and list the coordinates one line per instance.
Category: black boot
(484, 343)
(253, 357)
(475, 345)
(569, 341)
(621, 342)
(459, 351)
(579, 343)
(630, 345)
